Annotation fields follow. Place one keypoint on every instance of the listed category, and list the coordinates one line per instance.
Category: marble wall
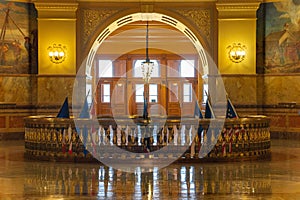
(276, 96)
(26, 95)
(52, 90)
(12, 86)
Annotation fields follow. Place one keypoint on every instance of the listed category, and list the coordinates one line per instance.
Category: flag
(84, 113)
(197, 111)
(64, 110)
(64, 113)
(93, 110)
(209, 113)
(230, 112)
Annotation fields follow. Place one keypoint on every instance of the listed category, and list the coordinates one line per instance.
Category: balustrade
(80, 140)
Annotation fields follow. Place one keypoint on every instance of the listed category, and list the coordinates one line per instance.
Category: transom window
(181, 68)
(187, 68)
(111, 68)
(105, 68)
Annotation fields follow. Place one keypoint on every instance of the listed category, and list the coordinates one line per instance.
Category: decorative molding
(201, 18)
(237, 10)
(56, 6)
(92, 19)
(237, 6)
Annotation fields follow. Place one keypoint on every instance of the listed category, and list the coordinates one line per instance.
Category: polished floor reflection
(275, 179)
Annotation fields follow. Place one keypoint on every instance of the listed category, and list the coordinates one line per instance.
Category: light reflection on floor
(275, 179)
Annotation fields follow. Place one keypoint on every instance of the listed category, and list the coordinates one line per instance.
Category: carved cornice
(237, 9)
(52, 10)
(56, 6)
(92, 19)
(237, 6)
(200, 17)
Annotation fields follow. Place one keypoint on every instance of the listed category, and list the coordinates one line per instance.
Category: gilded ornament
(92, 19)
(202, 19)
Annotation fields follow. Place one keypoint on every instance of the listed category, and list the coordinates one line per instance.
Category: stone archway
(144, 17)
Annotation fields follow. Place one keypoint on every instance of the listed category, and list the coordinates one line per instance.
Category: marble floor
(278, 178)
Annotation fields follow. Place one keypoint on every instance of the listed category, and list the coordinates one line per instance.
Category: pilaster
(237, 24)
(56, 25)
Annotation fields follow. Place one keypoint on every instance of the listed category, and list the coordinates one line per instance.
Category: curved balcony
(188, 139)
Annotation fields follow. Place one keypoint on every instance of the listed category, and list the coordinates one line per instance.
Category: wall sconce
(237, 52)
(57, 53)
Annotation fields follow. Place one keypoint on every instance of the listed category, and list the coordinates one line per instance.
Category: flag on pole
(64, 110)
(93, 113)
(64, 113)
(231, 112)
(197, 111)
(84, 113)
(209, 113)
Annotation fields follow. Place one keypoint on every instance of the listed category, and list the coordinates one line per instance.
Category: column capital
(56, 9)
(237, 9)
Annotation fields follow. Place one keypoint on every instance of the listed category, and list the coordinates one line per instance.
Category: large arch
(147, 17)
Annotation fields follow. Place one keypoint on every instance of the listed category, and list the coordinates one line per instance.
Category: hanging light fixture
(147, 65)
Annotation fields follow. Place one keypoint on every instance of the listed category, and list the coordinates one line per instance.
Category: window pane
(187, 68)
(173, 92)
(139, 93)
(153, 93)
(119, 93)
(105, 68)
(187, 92)
(137, 69)
(106, 99)
(105, 93)
(205, 92)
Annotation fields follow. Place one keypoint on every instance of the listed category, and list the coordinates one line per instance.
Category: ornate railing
(79, 140)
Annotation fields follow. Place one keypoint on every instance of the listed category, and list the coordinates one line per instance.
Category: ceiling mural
(18, 38)
(278, 37)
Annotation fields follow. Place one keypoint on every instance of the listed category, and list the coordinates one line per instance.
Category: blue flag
(197, 111)
(84, 113)
(64, 110)
(209, 113)
(230, 112)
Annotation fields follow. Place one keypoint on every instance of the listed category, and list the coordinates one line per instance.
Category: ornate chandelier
(147, 65)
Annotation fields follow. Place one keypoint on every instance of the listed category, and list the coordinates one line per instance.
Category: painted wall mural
(278, 36)
(18, 38)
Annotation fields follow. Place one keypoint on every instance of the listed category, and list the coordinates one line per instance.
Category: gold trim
(56, 6)
(56, 19)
